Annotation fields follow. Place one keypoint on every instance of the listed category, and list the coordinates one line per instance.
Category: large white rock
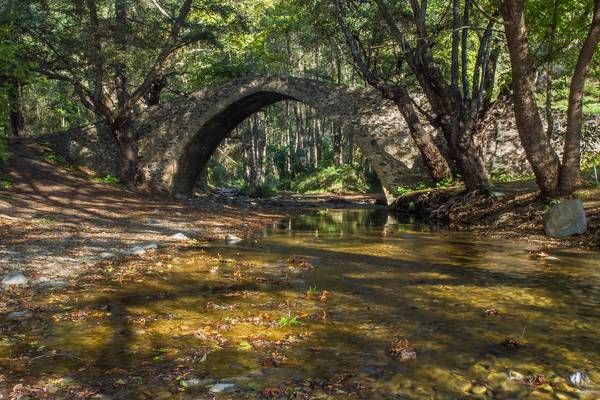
(565, 219)
(15, 279)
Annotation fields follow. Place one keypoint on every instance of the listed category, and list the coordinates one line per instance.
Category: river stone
(179, 236)
(52, 284)
(15, 279)
(478, 389)
(223, 387)
(565, 219)
(18, 315)
(136, 251)
(141, 249)
(229, 238)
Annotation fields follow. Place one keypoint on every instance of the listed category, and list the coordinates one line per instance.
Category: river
(332, 304)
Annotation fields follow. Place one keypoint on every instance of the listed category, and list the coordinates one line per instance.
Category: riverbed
(330, 304)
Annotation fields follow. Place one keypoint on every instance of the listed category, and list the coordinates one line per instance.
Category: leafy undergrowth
(332, 180)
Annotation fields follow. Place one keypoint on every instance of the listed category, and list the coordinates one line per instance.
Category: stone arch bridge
(178, 137)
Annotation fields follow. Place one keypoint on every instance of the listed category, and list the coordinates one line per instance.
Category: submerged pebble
(223, 387)
(478, 389)
(18, 315)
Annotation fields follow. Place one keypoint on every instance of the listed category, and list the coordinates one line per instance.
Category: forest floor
(512, 211)
(61, 220)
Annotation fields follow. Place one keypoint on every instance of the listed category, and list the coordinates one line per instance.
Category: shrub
(258, 191)
(331, 179)
(113, 180)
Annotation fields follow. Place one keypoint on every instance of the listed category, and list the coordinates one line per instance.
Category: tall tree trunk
(128, 154)
(436, 163)
(337, 145)
(542, 157)
(549, 70)
(570, 174)
(350, 150)
(17, 116)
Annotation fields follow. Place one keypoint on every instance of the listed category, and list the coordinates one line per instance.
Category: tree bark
(570, 174)
(434, 160)
(129, 161)
(550, 72)
(540, 154)
(337, 145)
(16, 114)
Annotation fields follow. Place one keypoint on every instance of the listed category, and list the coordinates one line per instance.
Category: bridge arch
(177, 138)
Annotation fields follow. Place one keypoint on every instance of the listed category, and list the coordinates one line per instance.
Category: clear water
(244, 314)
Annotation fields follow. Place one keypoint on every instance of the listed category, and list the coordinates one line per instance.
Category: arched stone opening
(197, 153)
(178, 137)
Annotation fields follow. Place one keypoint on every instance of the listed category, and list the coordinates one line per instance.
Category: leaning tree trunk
(570, 173)
(436, 163)
(540, 154)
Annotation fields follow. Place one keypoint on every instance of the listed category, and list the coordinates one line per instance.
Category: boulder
(565, 219)
(15, 279)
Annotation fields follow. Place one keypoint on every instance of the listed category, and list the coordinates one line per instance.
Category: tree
(13, 75)
(112, 53)
(398, 93)
(552, 176)
(459, 102)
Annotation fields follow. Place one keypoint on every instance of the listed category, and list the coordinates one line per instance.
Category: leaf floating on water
(511, 343)
(402, 349)
(534, 380)
(490, 312)
(299, 263)
(325, 295)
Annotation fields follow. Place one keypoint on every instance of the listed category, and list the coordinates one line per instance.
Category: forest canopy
(69, 63)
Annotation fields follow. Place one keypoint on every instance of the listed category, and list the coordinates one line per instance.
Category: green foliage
(332, 179)
(6, 182)
(447, 182)
(312, 291)
(289, 321)
(53, 158)
(259, 191)
(3, 152)
(109, 179)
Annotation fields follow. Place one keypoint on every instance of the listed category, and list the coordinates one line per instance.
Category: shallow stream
(335, 304)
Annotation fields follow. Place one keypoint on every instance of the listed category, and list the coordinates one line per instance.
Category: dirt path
(54, 225)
